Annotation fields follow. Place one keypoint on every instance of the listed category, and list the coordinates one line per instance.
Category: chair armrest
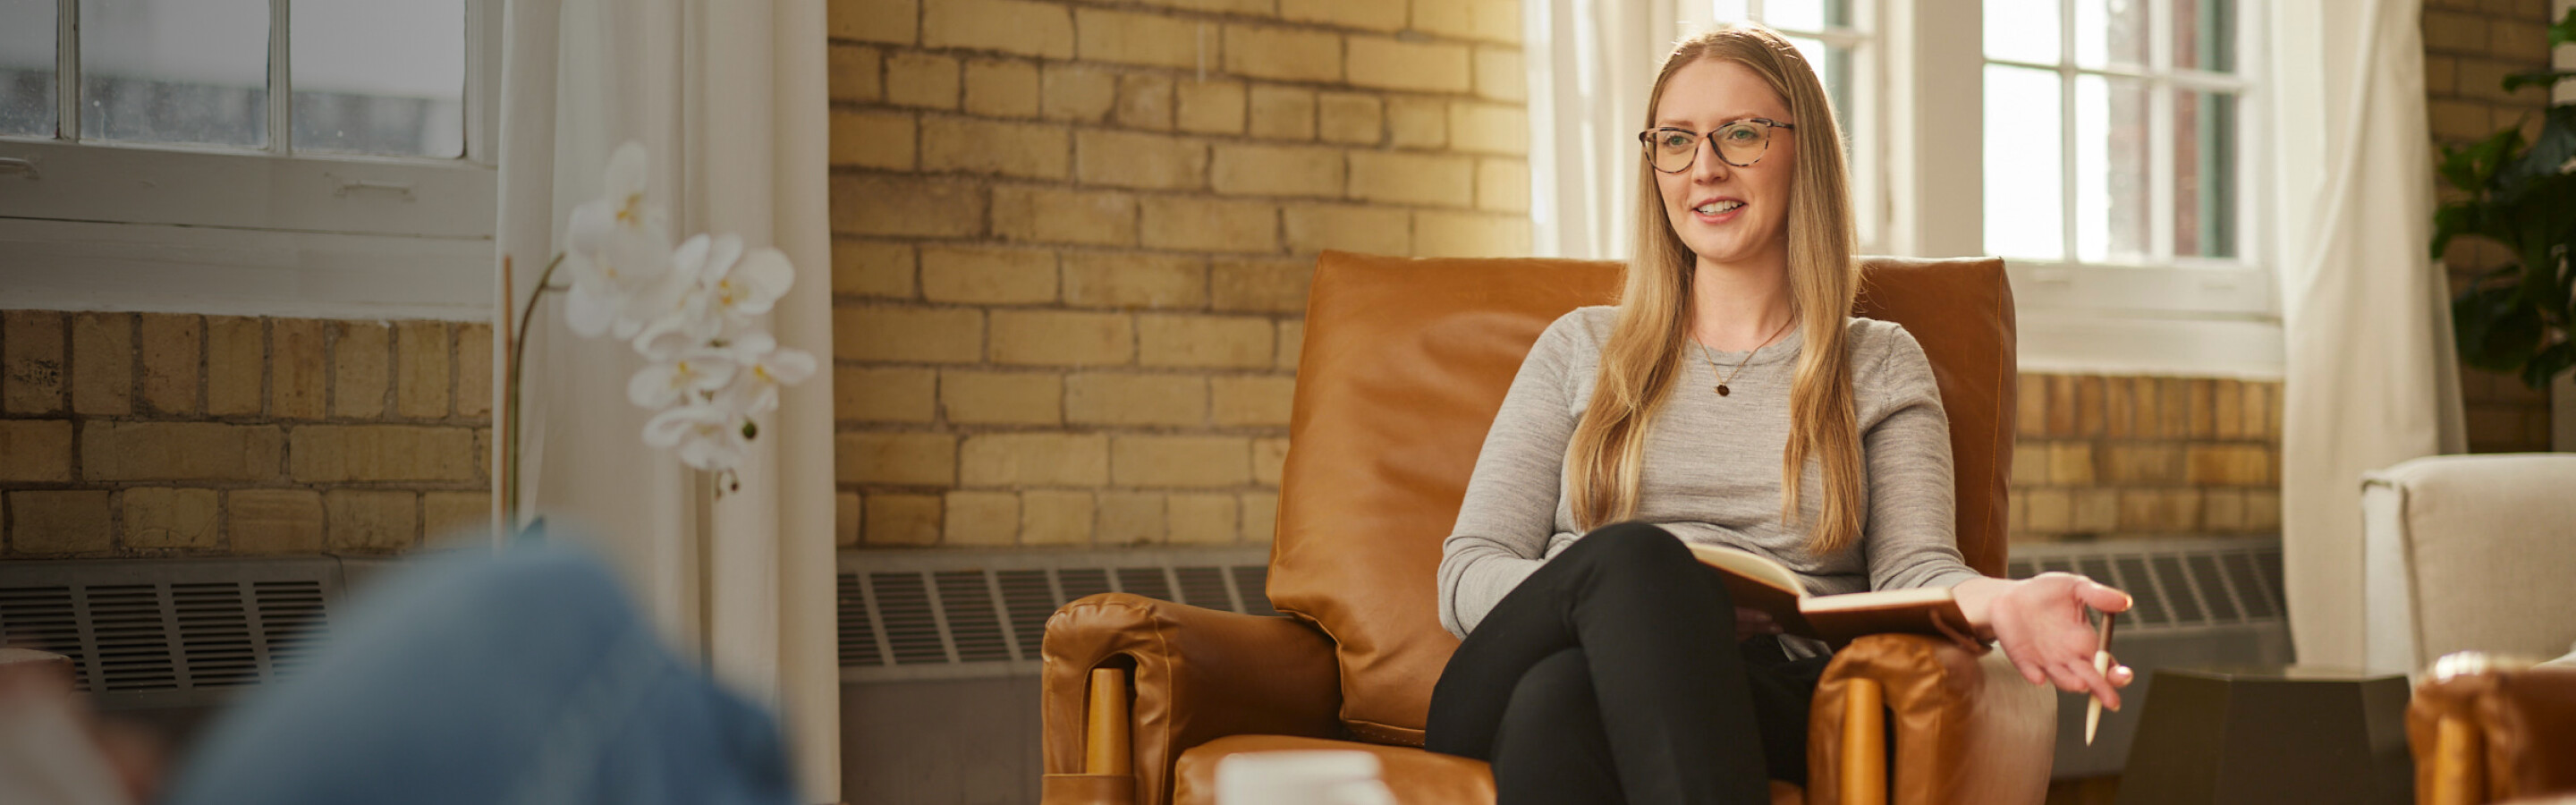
(2484, 731)
(1198, 674)
(1962, 724)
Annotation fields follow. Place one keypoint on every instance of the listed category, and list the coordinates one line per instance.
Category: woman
(1727, 399)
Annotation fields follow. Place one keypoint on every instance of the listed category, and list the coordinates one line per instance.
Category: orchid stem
(518, 366)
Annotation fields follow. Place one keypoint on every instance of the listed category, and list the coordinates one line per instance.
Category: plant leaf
(2549, 152)
(2564, 30)
(2495, 333)
(2539, 78)
(2548, 363)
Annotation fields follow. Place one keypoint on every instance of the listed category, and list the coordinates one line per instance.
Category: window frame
(1863, 124)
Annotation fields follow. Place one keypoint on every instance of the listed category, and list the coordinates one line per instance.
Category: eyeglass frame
(1710, 137)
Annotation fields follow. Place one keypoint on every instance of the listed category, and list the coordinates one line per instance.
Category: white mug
(1306, 777)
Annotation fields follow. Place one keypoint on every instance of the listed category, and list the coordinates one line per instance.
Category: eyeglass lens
(1740, 144)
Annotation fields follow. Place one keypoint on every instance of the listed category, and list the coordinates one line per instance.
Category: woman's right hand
(1751, 623)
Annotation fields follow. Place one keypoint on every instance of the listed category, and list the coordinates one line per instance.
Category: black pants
(1613, 675)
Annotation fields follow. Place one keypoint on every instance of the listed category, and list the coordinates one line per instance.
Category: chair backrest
(1405, 363)
(2462, 553)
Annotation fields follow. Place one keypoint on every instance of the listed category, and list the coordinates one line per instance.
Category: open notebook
(1756, 581)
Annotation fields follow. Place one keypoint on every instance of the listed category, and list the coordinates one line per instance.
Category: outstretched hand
(2040, 622)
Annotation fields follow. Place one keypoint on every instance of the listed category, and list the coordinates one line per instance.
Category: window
(358, 132)
(1836, 36)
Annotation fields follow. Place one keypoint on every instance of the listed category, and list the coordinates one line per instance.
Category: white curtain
(730, 100)
(2370, 375)
(1590, 65)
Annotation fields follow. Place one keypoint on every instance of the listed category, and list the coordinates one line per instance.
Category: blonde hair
(1646, 349)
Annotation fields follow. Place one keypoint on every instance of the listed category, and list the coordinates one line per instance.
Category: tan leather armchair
(1405, 363)
(2486, 730)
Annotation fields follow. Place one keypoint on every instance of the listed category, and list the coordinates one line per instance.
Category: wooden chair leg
(2459, 770)
(1864, 770)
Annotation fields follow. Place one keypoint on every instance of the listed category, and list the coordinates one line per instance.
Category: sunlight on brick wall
(2106, 457)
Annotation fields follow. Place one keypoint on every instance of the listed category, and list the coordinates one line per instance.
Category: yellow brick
(1275, 170)
(1489, 128)
(32, 362)
(1203, 341)
(1145, 102)
(1268, 286)
(1203, 518)
(879, 394)
(1062, 338)
(362, 521)
(2450, 31)
(1134, 280)
(1283, 113)
(1210, 107)
(1155, 40)
(1026, 150)
(1180, 461)
(1250, 7)
(37, 450)
(298, 364)
(902, 520)
(2222, 510)
(1388, 63)
(1350, 118)
(1374, 230)
(2519, 40)
(163, 517)
(872, 268)
(1502, 185)
(1260, 519)
(2097, 511)
(180, 451)
(1401, 178)
(1036, 459)
(1374, 15)
(2030, 464)
(921, 79)
(1001, 398)
(456, 518)
(2229, 409)
(1092, 398)
(1052, 215)
(872, 139)
(1076, 93)
(878, 457)
(1001, 88)
(1501, 74)
(1417, 122)
(858, 73)
(845, 519)
(422, 362)
(2227, 465)
(904, 334)
(1269, 460)
(1055, 517)
(1253, 401)
(171, 348)
(1131, 518)
(1489, 20)
(986, 275)
(1124, 159)
(981, 519)
(1287, 54)
(2159, 510)
(1292, 339)
(2070, 464)
(2457, 121)
(474, 369)
(57, 523)
(103, 364)
(1011, 26)
(868, 204)
(2142, 464)
(874, 20)
(236, 360)
(273, 521)
(338, 453)
(1188, 224)
(1458, 234)
(2051, 511)
(2262, 510)
(361, 370)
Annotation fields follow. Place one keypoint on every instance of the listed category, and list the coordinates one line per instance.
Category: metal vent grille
(957, 614)
(163, 633)
(2179, 584)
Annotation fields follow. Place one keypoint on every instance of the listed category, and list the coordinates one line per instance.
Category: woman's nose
(1709, 167)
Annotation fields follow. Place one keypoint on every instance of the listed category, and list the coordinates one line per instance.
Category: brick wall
(127, 435)
(1073, 240)
(2126, 457)
(2469, 47)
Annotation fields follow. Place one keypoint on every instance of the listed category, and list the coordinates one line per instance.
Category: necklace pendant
(1721, 389)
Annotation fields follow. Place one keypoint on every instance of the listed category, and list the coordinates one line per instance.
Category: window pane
(2025, 198)
(2022, 30)
(2204, 174)
(380, 76)
(1834, 68)
(175, 71)
(2205, 35)
(2112, 217)
(1807, 15)
(27, 68)
(2110, 31)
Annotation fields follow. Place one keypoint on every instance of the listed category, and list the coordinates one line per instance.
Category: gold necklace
(1739, 365)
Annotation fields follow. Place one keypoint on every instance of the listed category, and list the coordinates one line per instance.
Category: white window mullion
(2161, 173)
(2067, 135)
(67, 70)
(281, 89)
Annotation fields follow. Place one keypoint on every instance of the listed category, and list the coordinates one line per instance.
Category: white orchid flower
(618, 253)
(765, 368)
(709, 437)
(684, 320)
(700, 371)
(749, 287)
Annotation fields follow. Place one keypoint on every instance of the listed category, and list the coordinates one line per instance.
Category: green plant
(2516, 318)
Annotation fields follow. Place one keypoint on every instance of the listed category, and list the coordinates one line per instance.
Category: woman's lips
(1705, 217)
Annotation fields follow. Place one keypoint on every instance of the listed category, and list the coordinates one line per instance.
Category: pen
(2101, 664)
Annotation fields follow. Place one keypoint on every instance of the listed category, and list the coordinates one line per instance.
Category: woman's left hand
(2040, 622)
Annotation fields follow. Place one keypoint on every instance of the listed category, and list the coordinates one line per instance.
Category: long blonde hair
(1646, 350)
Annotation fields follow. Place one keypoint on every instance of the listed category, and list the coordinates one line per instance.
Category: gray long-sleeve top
(1712, 467)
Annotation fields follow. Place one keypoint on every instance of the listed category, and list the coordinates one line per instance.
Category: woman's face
(1724, 213)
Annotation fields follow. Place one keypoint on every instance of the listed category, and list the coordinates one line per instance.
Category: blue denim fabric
(523, 677)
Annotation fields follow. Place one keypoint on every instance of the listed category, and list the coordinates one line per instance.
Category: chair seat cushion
(1417, 776)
